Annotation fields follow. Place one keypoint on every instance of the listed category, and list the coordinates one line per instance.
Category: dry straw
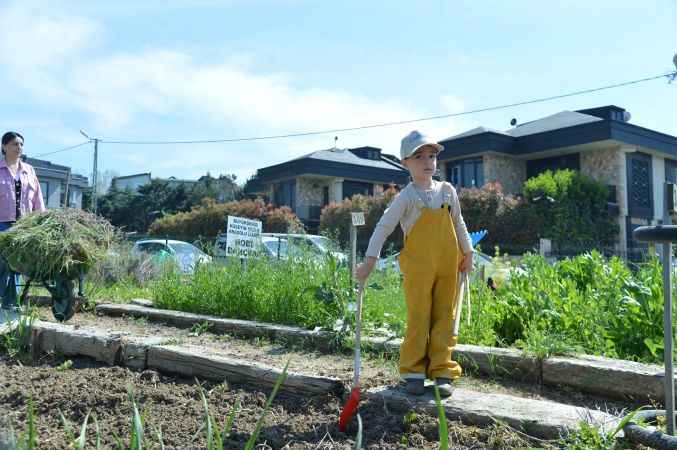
(58, 241)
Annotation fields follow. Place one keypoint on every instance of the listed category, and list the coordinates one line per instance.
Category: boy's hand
(466, 263)
(364, 270)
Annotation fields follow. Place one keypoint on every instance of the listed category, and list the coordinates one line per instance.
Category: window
(285, 194)
(44, 187)
(670, 171)
(466, 173)
(351, 188)
(536, 167)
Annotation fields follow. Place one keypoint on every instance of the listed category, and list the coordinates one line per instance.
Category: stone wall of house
(510, 172)
(309, 191)
(606, 166)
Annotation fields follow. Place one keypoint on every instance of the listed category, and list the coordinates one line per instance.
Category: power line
(62, 150)
(387, 124)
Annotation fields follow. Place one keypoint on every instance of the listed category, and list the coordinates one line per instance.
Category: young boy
(436, 248)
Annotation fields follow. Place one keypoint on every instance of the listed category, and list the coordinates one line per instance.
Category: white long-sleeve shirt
(405, 209)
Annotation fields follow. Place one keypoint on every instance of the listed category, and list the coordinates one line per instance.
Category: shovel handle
(358, 332)
(460, 292)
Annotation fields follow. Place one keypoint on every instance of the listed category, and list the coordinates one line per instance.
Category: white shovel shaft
(358, 333)
(462, 291)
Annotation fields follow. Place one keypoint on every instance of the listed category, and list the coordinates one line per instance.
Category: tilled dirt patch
(173, 405)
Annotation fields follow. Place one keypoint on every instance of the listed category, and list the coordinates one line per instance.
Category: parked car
(274, 247)
(186, 255)
(291, 244)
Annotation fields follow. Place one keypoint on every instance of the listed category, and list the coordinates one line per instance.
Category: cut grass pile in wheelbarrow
(56, 242)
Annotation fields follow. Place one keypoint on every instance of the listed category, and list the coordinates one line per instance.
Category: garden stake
(354, 400)
(463, 291)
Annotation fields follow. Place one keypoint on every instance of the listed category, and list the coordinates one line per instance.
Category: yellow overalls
(430, 262)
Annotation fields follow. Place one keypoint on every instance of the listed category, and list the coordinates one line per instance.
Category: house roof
(346, 156)
(563, 129)
(123, 177)
(47, 169)
(562, 119)
(474, 131)
(342, 163)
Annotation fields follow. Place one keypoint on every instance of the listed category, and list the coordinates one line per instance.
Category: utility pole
(95, 169)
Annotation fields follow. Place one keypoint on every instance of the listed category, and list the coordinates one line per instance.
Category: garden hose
(641, 435)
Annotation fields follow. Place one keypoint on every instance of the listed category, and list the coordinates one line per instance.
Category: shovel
(463, 291)
(354, 400)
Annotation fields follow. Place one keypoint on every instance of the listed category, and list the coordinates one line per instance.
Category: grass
(16, 342)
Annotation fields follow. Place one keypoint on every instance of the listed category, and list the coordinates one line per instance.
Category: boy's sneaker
(445, 386)
(415, 386)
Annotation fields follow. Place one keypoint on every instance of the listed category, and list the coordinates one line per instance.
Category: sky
(176, 70)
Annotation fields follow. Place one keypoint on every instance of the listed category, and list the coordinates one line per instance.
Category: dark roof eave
(644, 137)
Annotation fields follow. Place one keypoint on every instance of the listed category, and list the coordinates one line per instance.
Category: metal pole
(667, 325)
(353, 251)
(95, 174)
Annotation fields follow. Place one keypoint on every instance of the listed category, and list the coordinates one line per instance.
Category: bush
(571, 209)
(209, 219)
(335, 220)
(507, 219)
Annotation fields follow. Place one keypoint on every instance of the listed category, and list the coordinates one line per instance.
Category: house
(53, 179)
(601, 142)
(310, 182)
(134, 182)
(131, 182)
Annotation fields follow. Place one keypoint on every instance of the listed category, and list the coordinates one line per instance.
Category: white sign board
(358, 218)
(242, 239)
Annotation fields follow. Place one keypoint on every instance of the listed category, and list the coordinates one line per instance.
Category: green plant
(29, 439)
(200, 328)
(442, 421)
(16, 342)
(66, 365)
(214, 436)
(259, 423)
(79, 442)
(542, 344)
(589, 436)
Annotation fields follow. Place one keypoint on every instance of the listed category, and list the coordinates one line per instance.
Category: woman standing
(20, 194)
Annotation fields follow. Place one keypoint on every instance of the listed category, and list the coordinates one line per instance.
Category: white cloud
(121, 92)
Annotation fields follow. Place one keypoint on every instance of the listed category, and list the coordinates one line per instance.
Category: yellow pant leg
(442, 342)
(418, 289)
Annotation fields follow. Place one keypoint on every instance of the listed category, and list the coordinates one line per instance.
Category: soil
(172, 404)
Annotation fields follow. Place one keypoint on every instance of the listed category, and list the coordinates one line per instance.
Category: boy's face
(422, 165)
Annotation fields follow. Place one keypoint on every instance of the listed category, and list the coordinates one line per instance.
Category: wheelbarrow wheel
(63, 300)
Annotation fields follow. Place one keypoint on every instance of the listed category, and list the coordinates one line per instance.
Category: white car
(187, 256)
(290, 243)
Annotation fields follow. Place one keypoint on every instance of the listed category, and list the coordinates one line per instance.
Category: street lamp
(94, 169)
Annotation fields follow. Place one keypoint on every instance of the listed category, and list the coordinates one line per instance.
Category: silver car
(187, 256)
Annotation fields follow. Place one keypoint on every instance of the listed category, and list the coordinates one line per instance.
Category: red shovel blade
(350, 408)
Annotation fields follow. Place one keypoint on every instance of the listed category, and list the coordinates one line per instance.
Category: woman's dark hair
(9, 137)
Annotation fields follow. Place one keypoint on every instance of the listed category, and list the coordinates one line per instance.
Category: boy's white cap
(412, 142)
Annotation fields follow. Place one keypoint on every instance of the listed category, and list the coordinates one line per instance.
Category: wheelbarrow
(61, 287)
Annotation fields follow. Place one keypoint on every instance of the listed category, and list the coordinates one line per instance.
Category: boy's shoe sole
(415, 387)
